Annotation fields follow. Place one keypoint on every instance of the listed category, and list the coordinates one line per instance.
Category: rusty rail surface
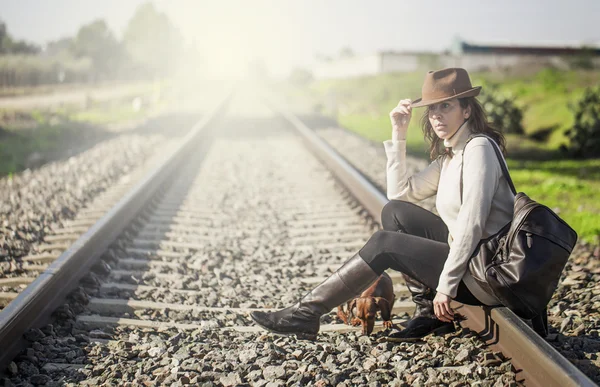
(33, 306)
(537, 362)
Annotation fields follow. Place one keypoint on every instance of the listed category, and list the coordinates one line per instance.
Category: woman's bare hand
(441, 307)
(400, 117)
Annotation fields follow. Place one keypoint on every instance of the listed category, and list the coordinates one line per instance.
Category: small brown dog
(379, 296)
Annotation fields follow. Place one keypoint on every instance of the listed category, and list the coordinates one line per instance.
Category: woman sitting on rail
(432, 252)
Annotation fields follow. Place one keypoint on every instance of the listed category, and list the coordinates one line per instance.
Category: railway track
(241, 216)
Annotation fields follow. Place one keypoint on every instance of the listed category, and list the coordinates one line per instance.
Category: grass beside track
(30, 138)
(537, 166)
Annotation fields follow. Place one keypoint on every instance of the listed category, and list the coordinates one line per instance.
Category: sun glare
(231, 40)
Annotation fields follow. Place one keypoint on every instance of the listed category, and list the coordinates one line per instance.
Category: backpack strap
(500, 160)
(540, 321)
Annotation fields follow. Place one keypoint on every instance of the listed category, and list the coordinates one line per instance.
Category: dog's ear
(383, 304)
(351, 306)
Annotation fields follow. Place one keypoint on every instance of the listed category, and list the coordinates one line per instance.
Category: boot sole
(299, 335)
(441, 331)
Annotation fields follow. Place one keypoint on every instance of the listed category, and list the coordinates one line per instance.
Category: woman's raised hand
(400, 117)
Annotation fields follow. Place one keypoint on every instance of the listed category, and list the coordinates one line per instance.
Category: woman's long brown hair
(478, 123)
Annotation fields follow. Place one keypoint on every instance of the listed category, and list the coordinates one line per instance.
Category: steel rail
(34, 305)
(537, 362)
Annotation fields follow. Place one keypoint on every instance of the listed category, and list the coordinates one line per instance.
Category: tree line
(148, 49)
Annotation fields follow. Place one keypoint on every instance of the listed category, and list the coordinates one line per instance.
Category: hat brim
(419, 102)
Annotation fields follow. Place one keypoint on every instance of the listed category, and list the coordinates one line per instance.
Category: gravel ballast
(37, 203)
(243, 239)
(256, 181)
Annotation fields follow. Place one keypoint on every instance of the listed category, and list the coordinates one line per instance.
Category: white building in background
(379, 63)
(473, 57)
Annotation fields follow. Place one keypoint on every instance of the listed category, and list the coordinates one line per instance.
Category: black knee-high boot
(422, 296)
(302, 319)
(423, 321)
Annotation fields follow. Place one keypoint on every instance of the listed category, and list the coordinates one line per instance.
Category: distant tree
(3, 38)
(96, 41)
(59, 47)
(152, 41)
(22, 47)
(10, 46)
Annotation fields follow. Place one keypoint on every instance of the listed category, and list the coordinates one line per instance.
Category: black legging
(414, 241)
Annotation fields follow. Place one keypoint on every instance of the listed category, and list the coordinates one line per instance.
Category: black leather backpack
(522, 263)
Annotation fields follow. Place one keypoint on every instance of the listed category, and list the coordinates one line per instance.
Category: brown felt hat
(445, 84)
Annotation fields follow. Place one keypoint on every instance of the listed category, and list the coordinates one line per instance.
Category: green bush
(584, 136)
(501, 110)
(552, 80)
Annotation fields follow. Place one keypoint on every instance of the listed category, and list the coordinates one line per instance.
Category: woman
(474, 201)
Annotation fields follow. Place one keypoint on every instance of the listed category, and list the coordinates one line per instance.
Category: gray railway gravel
(369, 157)
(35, 203)
(244, 181)
(574, 311)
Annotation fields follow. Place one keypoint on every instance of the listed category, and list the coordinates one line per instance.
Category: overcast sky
(290, 32)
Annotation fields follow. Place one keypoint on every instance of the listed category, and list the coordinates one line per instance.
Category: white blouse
(487, 203)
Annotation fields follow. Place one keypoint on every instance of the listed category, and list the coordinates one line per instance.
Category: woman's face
(446, 117)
